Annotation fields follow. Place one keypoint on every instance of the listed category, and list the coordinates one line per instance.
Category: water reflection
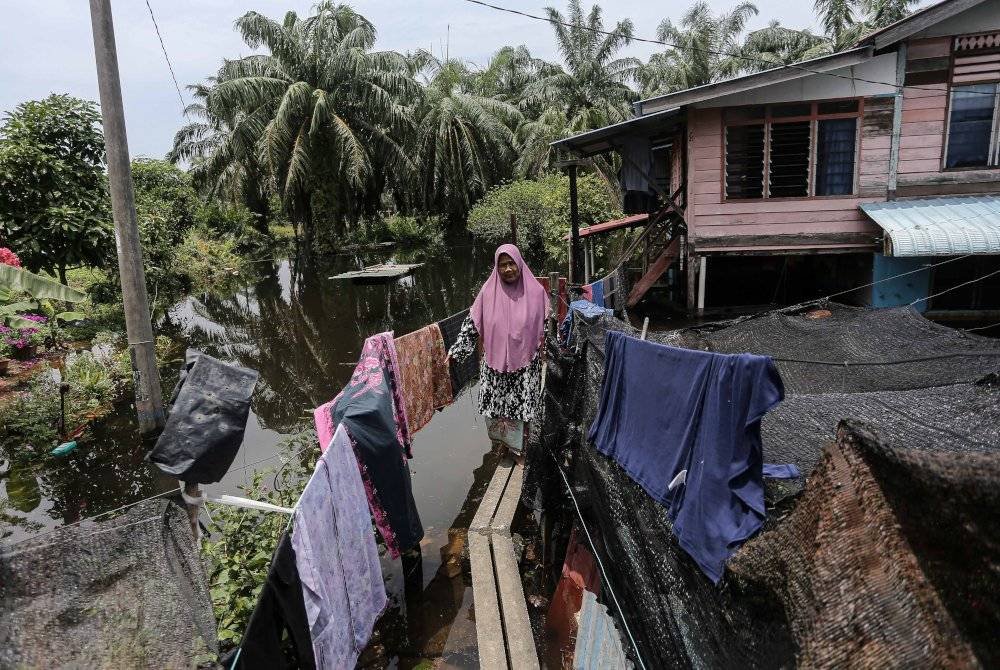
(303, 331)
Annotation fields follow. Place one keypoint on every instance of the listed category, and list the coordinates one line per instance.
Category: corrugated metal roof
(939, 226)
(598, 644)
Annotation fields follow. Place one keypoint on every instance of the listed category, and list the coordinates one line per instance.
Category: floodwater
(303, 332)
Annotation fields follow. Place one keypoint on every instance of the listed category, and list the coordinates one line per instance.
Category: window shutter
(973, 62)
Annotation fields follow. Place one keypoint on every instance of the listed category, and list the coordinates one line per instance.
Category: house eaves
(749, 82)
(598, 141)
(915, 23)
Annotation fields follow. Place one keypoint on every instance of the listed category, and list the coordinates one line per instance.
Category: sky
(46, 46)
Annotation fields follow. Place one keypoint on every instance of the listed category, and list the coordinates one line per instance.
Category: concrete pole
(146, 376)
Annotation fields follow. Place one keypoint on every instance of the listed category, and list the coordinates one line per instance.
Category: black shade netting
(676, 616)
(125, 593)
(888, 559)
(826, 347)
(208, 417)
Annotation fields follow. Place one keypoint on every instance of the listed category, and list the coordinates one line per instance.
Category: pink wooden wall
(922, 135)
(714, 224)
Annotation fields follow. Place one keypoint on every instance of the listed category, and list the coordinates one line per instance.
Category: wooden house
(821, 176)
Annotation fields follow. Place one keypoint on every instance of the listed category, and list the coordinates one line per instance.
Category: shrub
(542, 210)
(241, 543)
(208, 261)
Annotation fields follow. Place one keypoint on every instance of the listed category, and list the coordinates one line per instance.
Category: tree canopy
(53, 194)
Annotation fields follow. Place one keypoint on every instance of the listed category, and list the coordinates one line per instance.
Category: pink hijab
(510, 317)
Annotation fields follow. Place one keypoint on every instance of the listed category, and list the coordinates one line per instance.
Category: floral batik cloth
(423, 369)
(514, 394)
(371, 411)
(507, 432)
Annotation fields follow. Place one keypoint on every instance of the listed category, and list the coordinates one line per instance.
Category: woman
(508, 316)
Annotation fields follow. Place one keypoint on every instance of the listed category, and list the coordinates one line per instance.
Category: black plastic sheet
(208, 417)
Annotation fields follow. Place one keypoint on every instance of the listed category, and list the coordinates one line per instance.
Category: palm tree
(592, 88)
(464, 140)
(321, 111)
(243, 181)
(844, 28)
(774, 46)
(702, 48)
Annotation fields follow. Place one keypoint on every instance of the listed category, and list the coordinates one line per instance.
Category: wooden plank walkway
(380, 272)
(503, 629)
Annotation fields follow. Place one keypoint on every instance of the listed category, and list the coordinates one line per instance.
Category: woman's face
(509, 272)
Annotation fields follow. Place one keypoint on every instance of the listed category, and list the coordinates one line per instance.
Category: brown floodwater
(303, 332)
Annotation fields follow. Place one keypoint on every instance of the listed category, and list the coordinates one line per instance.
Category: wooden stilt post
(702, 273)
(554, 297)
(574, 222)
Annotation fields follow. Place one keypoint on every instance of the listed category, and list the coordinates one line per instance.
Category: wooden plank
(520, 641)
(381, 271)
(793, 240)
(655, 271)
(491, 499)
(486, 601)
(926, 114)
(928, 48)
(768, 206)
(504, 516)
(921, 20)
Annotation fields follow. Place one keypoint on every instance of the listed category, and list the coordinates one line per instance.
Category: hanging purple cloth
(685, 425)
(371, 412)
(337, 559)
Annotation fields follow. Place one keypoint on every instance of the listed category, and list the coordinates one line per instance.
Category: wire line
(776, 66)
(166, 56)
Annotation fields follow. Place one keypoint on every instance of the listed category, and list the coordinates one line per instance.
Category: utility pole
(145, 375)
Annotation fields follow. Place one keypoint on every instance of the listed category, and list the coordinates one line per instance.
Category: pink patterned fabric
(510, 317)
(426, 383)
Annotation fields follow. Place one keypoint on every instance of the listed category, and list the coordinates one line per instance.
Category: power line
(166, 56)
(948, 290)
(680, 47)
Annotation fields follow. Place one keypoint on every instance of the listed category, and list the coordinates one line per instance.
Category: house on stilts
(808, 179)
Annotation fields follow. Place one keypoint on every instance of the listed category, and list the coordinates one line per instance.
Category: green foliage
(209, 261)
(404, 230)
(465, 141)
(239, 548)
(53, 205)
(97, 379)
(542, 210)
(166, 205)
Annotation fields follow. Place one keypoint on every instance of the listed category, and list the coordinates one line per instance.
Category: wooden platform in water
(379, 273)
(503, 629)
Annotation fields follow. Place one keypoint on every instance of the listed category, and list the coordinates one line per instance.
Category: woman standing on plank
(508, 317)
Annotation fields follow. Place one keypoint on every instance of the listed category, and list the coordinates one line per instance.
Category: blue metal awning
(938, 226)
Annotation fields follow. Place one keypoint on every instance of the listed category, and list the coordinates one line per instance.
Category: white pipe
(247, 503)
(702, 271)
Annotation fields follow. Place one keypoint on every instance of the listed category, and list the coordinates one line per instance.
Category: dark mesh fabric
(851, 349)
(678, 619)
(887, 559)
(125, 593)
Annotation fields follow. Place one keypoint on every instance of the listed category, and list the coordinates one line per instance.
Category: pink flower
(8, 257)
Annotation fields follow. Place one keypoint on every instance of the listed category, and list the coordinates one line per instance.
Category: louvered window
(791, 151)
(973, 123)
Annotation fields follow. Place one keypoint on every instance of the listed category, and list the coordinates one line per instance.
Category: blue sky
(46, 45)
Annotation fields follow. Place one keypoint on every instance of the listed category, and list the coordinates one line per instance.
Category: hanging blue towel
(685, 425)
(597, 293)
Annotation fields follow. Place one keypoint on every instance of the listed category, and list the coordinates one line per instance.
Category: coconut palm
(322, 112)
(464, 141)
(592, 88)
(846, 21)
(702, 43)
